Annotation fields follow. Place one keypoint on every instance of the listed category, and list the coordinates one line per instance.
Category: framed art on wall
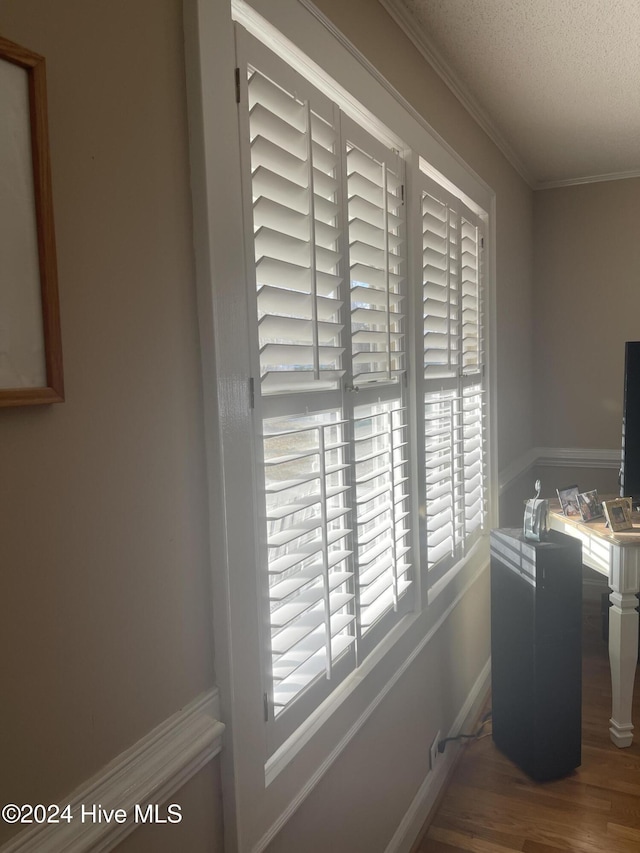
(30, 344)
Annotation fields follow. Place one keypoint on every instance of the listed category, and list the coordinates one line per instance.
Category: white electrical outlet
(433, 751)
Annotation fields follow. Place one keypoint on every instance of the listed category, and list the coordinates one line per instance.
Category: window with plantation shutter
(342, 304)
(324, 204)
(453, 378)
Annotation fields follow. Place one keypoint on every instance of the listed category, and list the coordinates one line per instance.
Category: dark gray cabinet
(536, 651)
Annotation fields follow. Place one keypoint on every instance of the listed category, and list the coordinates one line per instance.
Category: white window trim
(220, 269)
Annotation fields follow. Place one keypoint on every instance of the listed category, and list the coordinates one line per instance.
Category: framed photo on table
(30, 343)
(568, 498)
(589, 505)
(618, 514)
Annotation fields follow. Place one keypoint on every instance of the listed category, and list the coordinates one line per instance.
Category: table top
(598, 527)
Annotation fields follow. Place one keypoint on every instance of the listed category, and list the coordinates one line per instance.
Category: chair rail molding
(557, 457)
(578, 457)
(147, 773)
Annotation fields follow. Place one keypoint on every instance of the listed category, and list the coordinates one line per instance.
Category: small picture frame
(568, 498)
(589, 505)
(618, 514)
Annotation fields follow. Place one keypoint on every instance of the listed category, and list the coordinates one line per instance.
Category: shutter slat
(276, 187)
(278, 161)
(271, 96)
(362, 274)
(291, 303)
(278, 131)
(274, 329)
(308, 671)
(373, 297)
(283, 381)
(283, 274)
(286, 639)
(287, 613)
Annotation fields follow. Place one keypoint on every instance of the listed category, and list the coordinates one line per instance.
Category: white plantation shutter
(377, 260)
(443, 481)
(292, 152)
(474, 431)
(311, 605)
(453, 378)
(382, 514)
(324, 205)
(470, 297)
(441, 285)
(376, 257)
(294, 177)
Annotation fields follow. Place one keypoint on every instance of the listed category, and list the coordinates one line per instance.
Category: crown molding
(327, 23)
(414, 31)
(587, 179)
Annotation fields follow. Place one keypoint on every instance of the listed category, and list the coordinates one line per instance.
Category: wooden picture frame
(30, 340)
(618, 514)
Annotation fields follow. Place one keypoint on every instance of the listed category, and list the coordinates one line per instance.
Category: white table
(616, 555)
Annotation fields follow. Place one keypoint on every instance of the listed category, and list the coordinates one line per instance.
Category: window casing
(264, 782)
(330, 316)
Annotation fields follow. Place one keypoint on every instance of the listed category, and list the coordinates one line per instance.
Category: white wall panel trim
(407, 832)
(557, 457)
(149, 772)
(578, 457)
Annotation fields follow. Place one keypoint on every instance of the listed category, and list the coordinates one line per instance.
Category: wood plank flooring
(491, 806)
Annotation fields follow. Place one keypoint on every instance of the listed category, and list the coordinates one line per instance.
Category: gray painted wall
(106, 604)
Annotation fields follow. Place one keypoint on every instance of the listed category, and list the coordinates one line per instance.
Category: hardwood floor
(493, 807)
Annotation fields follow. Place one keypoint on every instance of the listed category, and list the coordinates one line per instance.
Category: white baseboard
(417, 813)
(149, 772)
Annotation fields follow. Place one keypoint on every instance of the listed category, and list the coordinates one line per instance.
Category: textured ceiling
(557, 80)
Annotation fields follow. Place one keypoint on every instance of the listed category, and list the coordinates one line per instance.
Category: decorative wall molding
(578, 457)
(153, 769)
(558, 457)
(407, 832)
(415, 33)
(587, 179)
